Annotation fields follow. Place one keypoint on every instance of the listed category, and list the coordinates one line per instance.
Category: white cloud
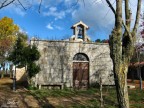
(53, 12)
(52, 26)
(69, 2)
(20, 11)
(49, 26)
(59, 10)
(58, 27)
(98, 15)
(51, 2)
(95, 13)
(16, 8)
(23, 30)
(53, 9)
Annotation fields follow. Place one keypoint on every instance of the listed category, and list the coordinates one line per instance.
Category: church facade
(75, 63)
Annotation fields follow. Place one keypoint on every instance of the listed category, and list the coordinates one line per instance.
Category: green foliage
(23, 55)
(23, 38)
(16, 56)
(136, 98)
(33, 69)
(29, 87)
(102, 41)
(31, 53)
(98, 40)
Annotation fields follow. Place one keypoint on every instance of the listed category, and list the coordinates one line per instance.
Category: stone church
(76, 62)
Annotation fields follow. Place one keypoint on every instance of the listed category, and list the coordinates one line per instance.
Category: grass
(89, 98)
(136, 98)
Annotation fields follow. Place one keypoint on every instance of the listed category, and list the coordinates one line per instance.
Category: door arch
(80, 71)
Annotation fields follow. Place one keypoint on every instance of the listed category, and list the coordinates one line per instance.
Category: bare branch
(110, 5)
(108, 10)
(126, 28)
(137, 15)
(84, 2)
(4, 4)
(40, 6)
(127, 14)
(22, 5)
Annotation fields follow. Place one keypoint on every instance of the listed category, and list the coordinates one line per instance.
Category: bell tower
(79, 31)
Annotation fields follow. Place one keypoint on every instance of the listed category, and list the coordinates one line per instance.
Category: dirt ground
(15, 99)
(22, 98)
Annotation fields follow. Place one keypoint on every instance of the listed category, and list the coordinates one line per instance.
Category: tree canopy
(8, 31)
(25, 56)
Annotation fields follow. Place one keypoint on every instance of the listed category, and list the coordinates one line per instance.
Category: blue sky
(57, 16)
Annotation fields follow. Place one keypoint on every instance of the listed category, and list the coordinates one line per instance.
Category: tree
(138, 55)
(31, 55)
(16, 56)
(98, 40)
(8, 31)
(122, 48)
(25, 56)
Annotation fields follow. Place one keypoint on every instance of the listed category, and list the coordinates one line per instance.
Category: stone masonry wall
(56, 62)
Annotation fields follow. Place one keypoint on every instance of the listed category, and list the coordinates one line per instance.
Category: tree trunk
(120, 69)
(122, 48)
(139, 76)
(120, 59)
(121, 87)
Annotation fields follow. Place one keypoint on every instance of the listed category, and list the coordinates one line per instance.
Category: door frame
(81, 61)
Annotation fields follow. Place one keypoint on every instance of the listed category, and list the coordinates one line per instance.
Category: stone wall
(21, 74)
(56, 61)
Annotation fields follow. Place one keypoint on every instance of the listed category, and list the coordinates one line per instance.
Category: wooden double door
(80, 75)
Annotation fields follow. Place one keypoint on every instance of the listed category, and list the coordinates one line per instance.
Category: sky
(57, 16)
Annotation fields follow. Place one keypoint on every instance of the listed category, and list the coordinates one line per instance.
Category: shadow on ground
(21, 98)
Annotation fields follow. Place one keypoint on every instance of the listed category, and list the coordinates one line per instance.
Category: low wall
(21, 74)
